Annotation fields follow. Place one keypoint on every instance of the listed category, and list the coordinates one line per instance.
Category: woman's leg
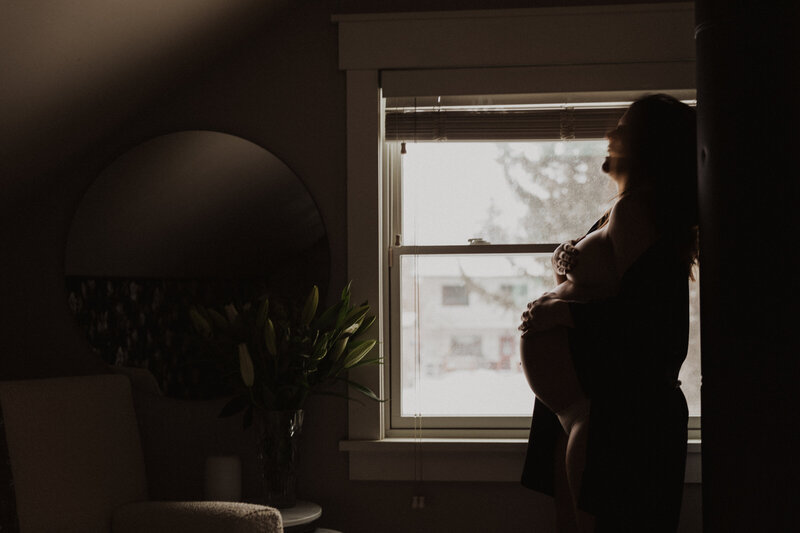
(566, 518)
(575, 463)
(548, 366)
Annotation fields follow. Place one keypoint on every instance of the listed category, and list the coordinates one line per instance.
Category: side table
(302, 518)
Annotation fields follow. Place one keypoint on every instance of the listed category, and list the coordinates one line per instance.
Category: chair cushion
(74, 450)
(197, 517)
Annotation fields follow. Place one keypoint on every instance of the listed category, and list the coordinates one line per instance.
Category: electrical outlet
(418, 502)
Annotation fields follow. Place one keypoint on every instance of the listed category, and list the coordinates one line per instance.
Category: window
(474, 221)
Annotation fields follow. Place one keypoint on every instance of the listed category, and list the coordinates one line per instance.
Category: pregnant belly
(548, 367)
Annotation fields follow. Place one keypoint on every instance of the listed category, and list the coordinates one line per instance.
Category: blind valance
(513, 124)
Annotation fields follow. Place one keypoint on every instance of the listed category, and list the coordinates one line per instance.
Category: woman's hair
(661, 142)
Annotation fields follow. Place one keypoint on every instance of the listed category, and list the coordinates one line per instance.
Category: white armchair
(76, 459)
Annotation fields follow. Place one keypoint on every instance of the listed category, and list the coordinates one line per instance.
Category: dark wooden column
(748, 97)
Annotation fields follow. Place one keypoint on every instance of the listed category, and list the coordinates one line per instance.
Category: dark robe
(627, 352)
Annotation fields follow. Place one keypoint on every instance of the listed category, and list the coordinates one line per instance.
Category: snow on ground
(479, 392)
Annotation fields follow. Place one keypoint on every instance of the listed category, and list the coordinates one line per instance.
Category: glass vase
(277, 455)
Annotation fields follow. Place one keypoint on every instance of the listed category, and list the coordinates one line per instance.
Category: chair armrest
(197, 517)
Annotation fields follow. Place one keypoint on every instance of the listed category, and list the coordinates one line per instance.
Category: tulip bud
(269, 338)
(200, 323)
(231, 313)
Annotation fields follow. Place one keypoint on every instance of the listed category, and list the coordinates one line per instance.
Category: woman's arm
(546, 312)
(572, 307)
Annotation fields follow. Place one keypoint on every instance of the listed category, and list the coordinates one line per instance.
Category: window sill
(431, 459)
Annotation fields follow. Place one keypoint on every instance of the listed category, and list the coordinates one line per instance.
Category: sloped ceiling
(72, 71)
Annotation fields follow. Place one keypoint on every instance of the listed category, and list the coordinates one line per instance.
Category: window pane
(504, 193)
(463, 360)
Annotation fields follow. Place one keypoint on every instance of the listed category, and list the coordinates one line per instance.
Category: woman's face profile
(614, 164)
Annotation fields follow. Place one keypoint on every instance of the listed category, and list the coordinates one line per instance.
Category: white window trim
(641, 48)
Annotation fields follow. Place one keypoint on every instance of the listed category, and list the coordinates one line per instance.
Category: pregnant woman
(609, 340)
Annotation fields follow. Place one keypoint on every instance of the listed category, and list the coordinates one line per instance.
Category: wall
(280, 89)
(747, 139)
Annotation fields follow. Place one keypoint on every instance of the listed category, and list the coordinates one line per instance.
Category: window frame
(477, 52)
(398, 425)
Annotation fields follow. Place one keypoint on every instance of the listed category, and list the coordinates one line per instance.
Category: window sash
(400, 425)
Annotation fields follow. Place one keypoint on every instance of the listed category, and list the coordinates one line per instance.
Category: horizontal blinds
(514, 124)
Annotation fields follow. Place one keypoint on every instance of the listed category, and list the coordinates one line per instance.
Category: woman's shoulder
(634, 207)
(631, 229)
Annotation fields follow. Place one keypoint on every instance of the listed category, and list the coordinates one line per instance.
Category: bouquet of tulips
(279, 354)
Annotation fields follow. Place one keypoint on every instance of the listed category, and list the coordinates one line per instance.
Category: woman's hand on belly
(546, 312)
(564, 259)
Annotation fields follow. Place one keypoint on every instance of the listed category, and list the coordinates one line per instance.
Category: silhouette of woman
(602, 351)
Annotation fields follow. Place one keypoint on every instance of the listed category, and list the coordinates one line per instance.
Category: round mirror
(189, 217)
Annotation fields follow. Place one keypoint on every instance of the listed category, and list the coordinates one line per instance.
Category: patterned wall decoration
(145, 323)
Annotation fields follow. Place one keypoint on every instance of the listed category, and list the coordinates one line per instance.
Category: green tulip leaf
(346, 291)
(341, 316)
(356, 313)
(367, 362)
(365, 325)
(349, 330)
(200, 323)
(357, 352)
(310, 307)
(219, 321)
(327, 319)
(366, 391)
(338, 348)
(284, 358)
(232, 313)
